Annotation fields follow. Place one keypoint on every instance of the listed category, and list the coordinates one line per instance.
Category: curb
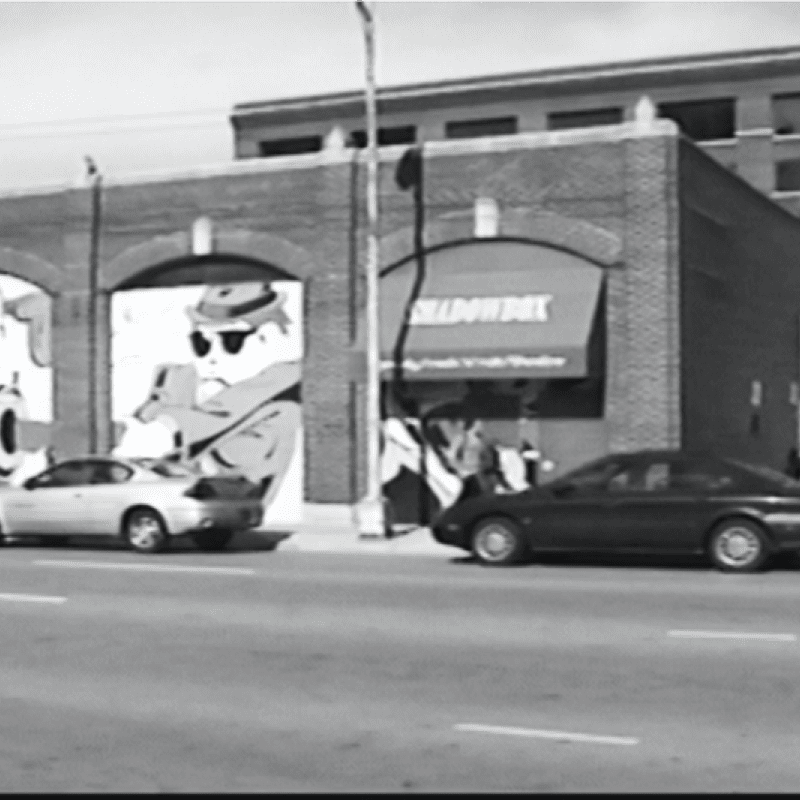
(418, 542)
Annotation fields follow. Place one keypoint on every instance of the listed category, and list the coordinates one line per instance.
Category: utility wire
(63, 128)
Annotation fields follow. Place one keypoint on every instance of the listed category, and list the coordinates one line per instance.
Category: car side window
(641, 478)
(594, 477)
(699, 477)
(72, 473)
(107, 472)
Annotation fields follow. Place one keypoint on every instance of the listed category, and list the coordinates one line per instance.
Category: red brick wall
(579, 190)
(740, 299)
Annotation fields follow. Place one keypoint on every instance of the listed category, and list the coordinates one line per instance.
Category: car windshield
(767, 473)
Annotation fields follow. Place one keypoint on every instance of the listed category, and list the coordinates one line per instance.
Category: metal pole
(94, 266)
(370, 510)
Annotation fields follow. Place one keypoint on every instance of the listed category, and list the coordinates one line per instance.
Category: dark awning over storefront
(493, 310)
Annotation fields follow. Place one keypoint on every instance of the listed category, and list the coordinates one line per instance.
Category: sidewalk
(416, 542)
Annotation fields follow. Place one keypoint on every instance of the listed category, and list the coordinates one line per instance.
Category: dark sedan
(668, 502)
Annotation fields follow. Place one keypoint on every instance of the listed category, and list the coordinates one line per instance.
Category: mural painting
(209, 376)
(432, 461)
(26, 379)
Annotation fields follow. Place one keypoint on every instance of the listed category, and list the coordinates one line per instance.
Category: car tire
(212, 540)
(498, 541)
(738, 545)
(144, 530)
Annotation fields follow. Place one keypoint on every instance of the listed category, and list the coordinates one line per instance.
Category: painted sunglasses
(232, 342)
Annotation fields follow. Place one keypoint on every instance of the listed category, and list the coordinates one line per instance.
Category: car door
(105, 498)
(50, 503)
(655, 504)
(571, 519)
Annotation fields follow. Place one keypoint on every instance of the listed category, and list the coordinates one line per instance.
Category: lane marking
(760, 637)
(560, 736)
(32, 598)
(144, 567)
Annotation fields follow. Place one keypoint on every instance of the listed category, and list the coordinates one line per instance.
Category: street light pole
(370, 509)
(96, 183)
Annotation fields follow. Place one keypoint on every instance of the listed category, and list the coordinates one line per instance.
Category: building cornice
(748, 64)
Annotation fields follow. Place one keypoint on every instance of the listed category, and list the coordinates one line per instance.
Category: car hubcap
(738, 547)
(144, 532)
(495, 542)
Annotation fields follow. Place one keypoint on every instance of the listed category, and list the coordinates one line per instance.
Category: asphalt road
(277, 671)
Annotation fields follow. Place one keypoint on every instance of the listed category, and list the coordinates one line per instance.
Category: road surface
(279, 671)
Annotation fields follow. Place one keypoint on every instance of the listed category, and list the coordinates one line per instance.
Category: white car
(143, 500)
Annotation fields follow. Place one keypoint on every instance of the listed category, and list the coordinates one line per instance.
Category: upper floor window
(586, 118)
(786, 114)
(398, 134)
(290, 147)
(787, 175)
(471, 128)
(703, 120)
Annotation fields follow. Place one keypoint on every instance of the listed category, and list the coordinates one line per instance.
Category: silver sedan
(144, 501)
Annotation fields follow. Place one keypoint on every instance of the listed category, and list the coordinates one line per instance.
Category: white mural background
(193, 364)
(26, 379)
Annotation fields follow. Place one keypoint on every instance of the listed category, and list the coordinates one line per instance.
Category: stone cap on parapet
(337, 156)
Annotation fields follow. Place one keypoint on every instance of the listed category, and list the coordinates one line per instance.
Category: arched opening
(206, 358)
(26, 378)
(505, 346)
(207, 270)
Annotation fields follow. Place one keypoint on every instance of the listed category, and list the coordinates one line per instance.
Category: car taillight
(200, 491)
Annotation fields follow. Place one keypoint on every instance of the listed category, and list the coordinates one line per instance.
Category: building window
(786, 114)
(703, 120)
(787, 175)
(588, 118)
(290, 147)
(471, 128)
(400, 134)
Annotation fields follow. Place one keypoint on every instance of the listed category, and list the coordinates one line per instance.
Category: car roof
(666, 453)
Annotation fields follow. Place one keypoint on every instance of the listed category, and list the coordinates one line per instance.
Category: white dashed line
(32, 598)
(559, 736)
(758, 637)
(145, 567)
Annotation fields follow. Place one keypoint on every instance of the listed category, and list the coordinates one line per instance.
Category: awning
(493, 310)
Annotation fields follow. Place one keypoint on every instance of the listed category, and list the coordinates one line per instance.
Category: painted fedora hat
(230, 303)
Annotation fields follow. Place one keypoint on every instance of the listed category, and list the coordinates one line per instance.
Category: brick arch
(255, 246)
(29, 267)
(536, 226)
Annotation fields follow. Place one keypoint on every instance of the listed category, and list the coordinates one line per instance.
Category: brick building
(741, 107)
(630, 292)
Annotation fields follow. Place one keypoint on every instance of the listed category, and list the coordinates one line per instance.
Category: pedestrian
(490, 472)
(513, 468)
(469, 458)
(531, 456)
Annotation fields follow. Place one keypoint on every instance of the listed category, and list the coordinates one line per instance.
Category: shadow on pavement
(247, 542)
(783, 562)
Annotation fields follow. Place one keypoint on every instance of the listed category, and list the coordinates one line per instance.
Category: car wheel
(212, 540)
(144, 530)
(738, 545)
(498, 541)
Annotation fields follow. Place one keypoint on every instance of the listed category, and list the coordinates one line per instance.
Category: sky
(145, 87)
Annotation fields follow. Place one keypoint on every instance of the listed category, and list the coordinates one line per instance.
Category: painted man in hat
(25, 380)
(236, 406)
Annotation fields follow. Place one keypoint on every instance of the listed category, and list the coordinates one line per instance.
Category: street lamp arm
(365, 11)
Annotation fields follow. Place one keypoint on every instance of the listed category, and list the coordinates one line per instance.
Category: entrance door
(569, 443)
(566, 443)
